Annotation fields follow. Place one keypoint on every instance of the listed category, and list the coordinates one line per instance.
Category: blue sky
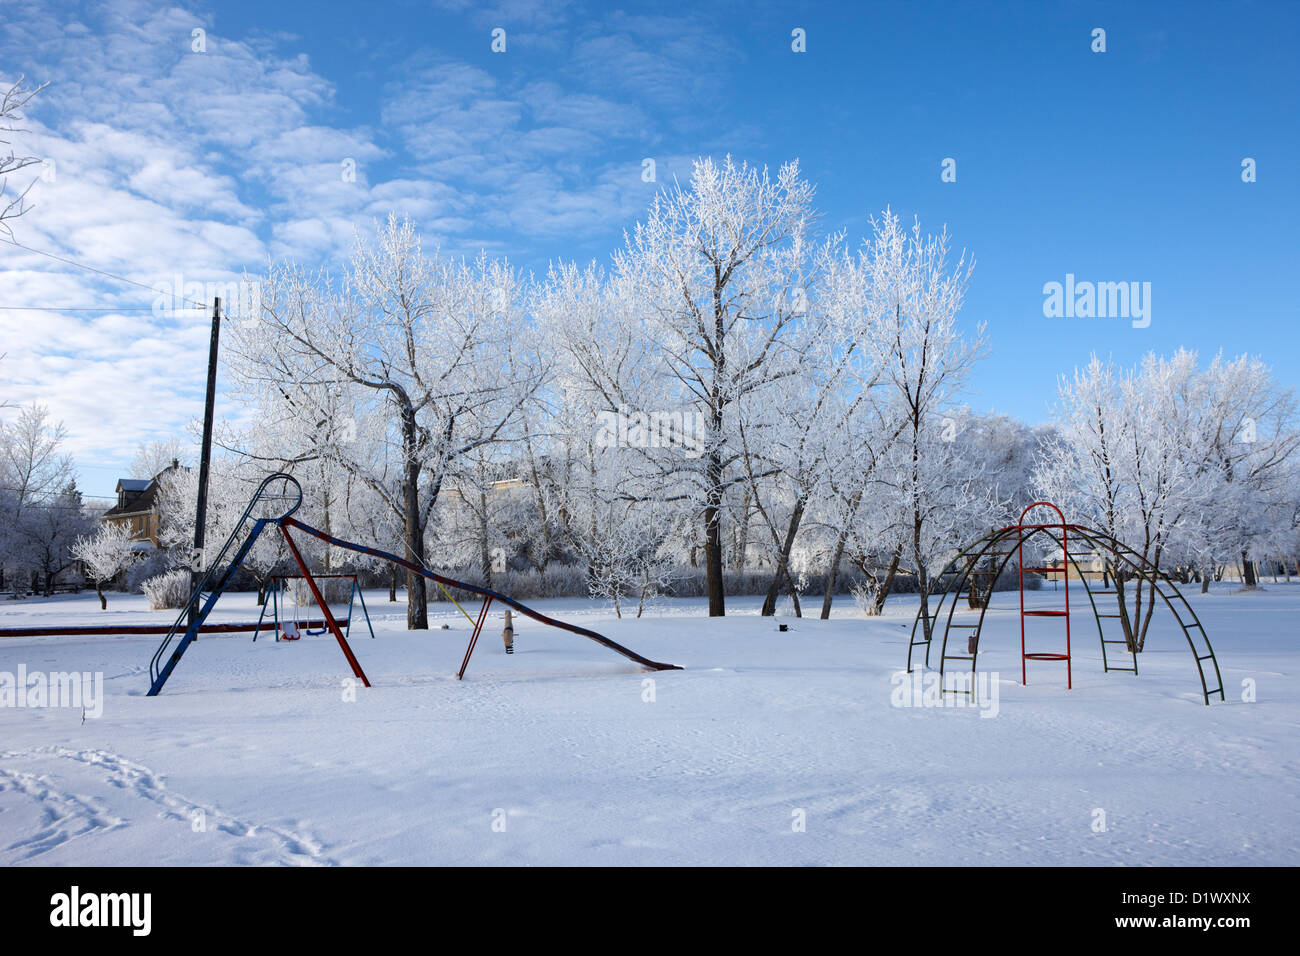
(1115, 166)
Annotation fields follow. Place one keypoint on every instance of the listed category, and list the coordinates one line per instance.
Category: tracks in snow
(64, 815)
(68, 815)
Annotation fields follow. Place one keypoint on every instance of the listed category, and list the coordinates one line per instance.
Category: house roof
(146, 501)
(145, 492)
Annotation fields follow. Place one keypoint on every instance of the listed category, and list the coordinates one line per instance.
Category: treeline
(735, 403)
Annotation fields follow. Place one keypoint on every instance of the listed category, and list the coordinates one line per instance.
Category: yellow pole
(455, 602)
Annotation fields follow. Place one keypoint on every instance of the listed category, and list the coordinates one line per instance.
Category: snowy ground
(252, 755)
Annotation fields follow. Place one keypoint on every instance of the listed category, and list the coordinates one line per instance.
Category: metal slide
(277, 508)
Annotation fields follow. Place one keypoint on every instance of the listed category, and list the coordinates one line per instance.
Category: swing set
(295, 629)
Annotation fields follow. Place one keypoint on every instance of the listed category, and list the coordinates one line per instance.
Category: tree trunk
(840, 543)
(484, 552)
(103, 601)
(1146, 621)
(326, 525)
(713, 462)
(782, 572)
(742, 534)
(1126, 622)
(832, 573)
(417, 598)
(922, 580)
(392, 584)
(882, 592)
(794, 593)
(1248, 571)
(713, 536)
(535, 479)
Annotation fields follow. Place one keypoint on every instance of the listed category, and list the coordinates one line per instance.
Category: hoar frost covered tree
(41, 510)
(1185, 465)
(105, 554)
(914, 293)
(718, 273)
(415, 346)
(14, 99)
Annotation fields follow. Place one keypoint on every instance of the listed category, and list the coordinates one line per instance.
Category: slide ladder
(268, 506)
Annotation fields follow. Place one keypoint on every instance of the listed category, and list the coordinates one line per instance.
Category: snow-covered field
(562, 754)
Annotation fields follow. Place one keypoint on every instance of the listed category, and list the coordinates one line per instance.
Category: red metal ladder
(1064, 572)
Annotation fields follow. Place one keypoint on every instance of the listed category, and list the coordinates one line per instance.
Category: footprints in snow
(64, 815)
(68, 815)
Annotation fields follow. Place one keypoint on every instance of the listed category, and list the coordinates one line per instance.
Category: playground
(810, 746)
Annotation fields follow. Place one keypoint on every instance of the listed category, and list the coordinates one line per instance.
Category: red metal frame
(124, 629)
(1021, 527)
(325, 609)
(473, 638)
(486, 593)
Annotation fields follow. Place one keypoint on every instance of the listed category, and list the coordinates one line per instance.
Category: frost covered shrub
(170, 590)
(864, 593)
(151, 567)
(571, 580)
(558, 580)
(691, 582)
(906, 584)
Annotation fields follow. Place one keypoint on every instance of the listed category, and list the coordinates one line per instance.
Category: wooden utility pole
(205, 457)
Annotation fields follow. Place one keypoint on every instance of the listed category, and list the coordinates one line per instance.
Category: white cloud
(170, 163)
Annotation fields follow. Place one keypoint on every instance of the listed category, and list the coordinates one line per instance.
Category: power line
(58, 494)
(107, 275)
(101, 309)
(88, 512)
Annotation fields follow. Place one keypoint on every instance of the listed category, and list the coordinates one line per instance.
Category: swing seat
(290, 633)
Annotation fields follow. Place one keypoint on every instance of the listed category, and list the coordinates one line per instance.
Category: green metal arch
(995, 538)
(957, 580)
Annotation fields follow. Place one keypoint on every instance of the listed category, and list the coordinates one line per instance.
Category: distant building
(493, 489)
(137, 507)
(1085, 561)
